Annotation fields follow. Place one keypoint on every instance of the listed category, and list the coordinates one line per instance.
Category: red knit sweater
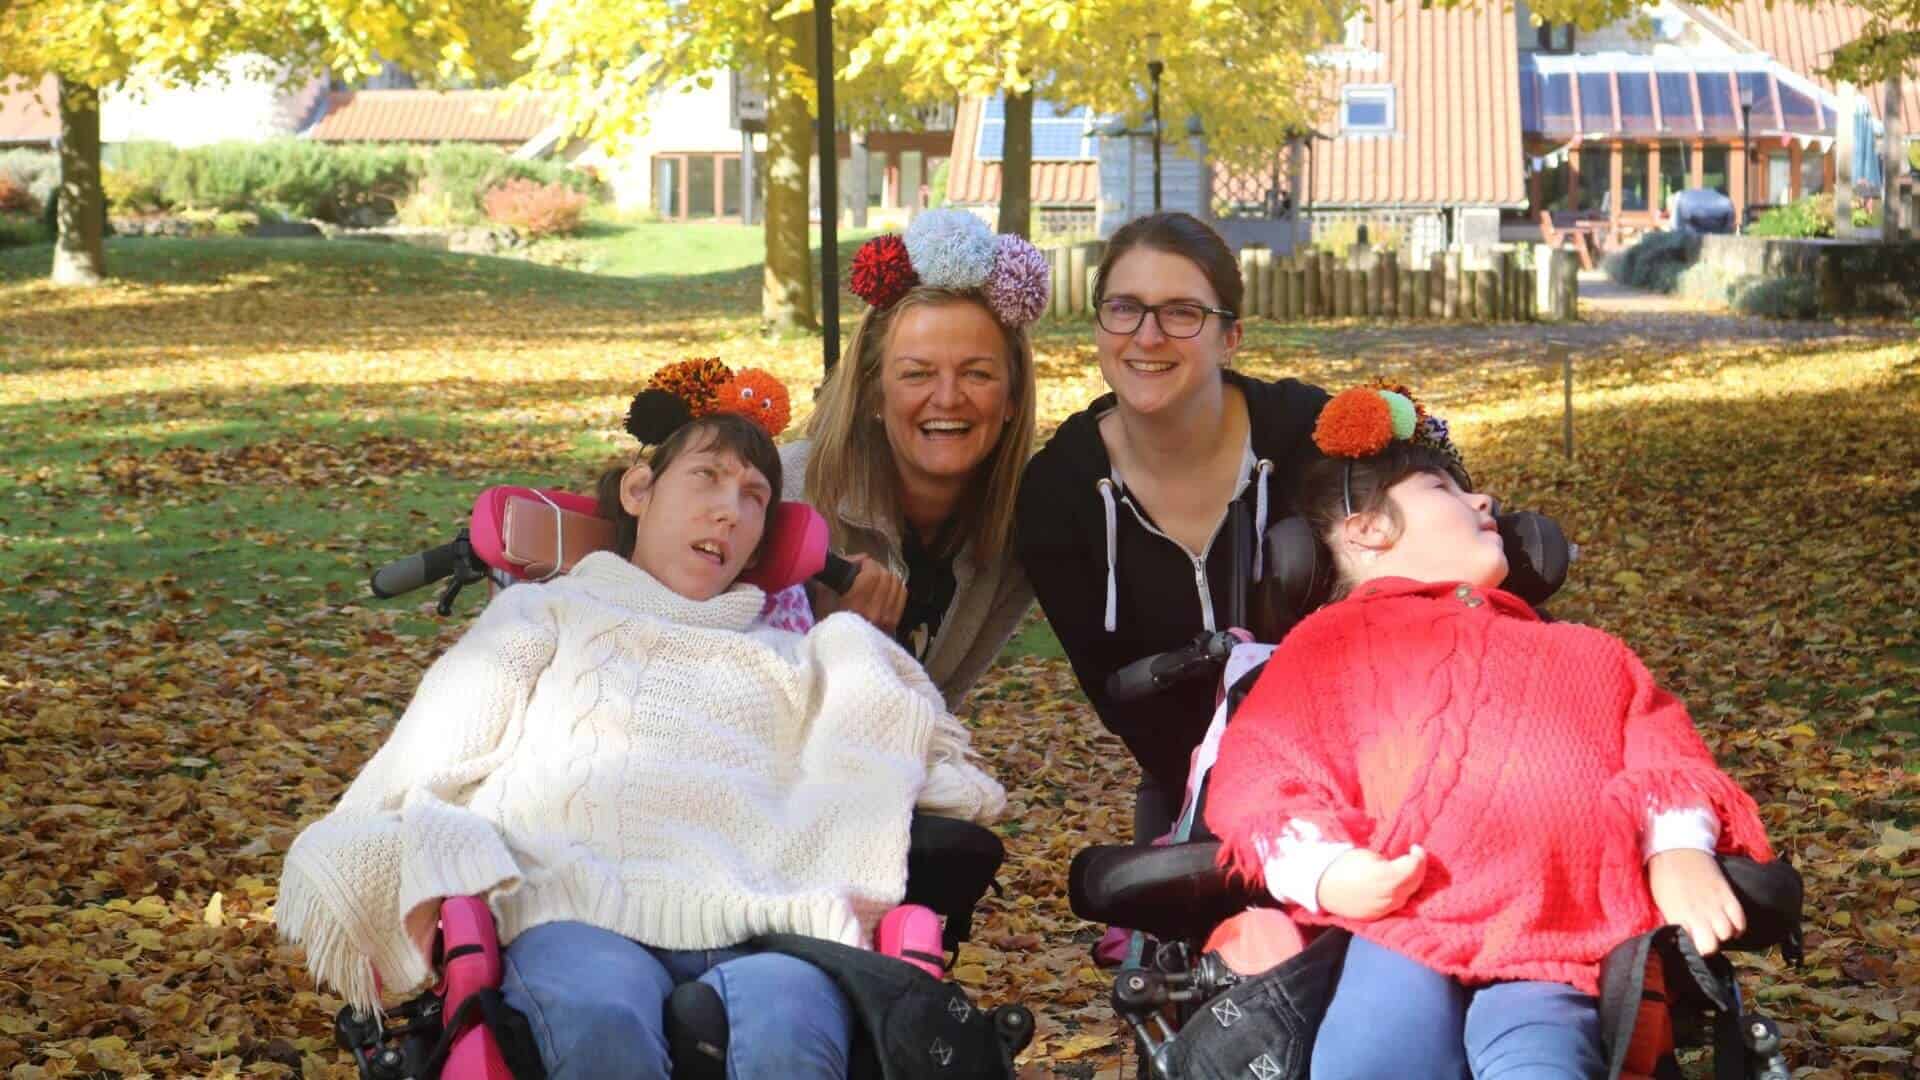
(1522, 755)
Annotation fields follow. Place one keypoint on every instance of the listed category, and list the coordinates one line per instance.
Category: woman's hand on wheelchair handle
(1364, 884)
(1691, 892)
(878, 595)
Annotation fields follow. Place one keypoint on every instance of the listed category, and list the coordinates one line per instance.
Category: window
(1676, 102)
(1553, 186)
(666, 187)
(700, 201)
(1596, 102)
(1555, 37)
(912, 176)
(1366, 108)
(1713, 169)
(1058, 134)
(1675, 172)
(1779, 178)
(877, 178)
(1636, 102)
(1813, 173)
(1596, 178)
(1633, 178)
(730, 186)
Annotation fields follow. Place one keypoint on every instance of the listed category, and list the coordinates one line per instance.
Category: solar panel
(1556, 105)
(1800, 111)
(1676, 102)
(1058, 133)
(1717, 109)
(1596, 102)
(1636, 102)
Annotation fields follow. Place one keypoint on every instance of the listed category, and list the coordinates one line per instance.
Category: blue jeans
(1393, 1017)
(597, 1003)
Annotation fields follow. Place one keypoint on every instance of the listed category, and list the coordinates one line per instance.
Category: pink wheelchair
(461, 1029)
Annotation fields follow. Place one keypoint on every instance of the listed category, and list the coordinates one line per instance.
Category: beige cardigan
(990, 594)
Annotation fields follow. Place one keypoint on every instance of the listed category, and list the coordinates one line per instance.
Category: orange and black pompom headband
(689, 389)
(1365, 420)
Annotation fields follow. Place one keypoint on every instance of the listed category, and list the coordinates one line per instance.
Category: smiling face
(1446, 534)
(945, 393)
(1149, 371)
(700, 520)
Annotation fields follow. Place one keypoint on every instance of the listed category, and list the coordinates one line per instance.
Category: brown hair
(728, 432)
(1326, 484)
(850, 465)
(1177, 233)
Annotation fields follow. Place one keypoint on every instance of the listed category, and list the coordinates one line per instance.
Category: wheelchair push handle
(416, 571)
(1152, 674)
(837, 574)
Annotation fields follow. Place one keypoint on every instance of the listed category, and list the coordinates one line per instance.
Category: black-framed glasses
(1176, 318)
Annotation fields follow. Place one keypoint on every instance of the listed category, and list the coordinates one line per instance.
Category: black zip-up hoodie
(1115, 589)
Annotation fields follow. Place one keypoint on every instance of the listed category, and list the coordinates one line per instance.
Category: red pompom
(1355, 424)
(694, 381)
(757, 396)
(882, 273)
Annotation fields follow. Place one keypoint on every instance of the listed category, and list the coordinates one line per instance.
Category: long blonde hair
(850, 465)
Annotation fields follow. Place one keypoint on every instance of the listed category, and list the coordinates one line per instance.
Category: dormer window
(1366, 109)
(1555, 37)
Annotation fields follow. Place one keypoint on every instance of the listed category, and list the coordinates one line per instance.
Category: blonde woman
(915, 452)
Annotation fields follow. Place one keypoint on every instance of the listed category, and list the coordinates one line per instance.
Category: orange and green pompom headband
(1365, 420)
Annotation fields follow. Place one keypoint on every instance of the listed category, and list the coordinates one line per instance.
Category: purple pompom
(1018, 286)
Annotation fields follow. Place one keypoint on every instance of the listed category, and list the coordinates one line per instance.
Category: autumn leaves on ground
(199, 465)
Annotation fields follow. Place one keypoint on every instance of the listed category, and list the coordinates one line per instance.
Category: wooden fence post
(1488, 300)
(1422, 298)
(1390, 287)
(1450, 303)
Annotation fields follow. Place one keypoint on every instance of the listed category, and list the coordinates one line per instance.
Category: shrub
(1655, 261)
(14, 196)
(538, 209)
(1791, 297)
(20, 230)
(1809, 217)
(130, 193)
(39, 170)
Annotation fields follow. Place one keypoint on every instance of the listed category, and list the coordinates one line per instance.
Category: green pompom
(1402, 412)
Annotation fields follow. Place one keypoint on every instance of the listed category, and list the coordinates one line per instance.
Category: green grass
(620, 246)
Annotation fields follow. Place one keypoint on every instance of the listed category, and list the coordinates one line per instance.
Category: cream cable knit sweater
(599, 748)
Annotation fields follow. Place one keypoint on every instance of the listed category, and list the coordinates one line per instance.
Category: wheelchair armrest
(1771, 893)
(950, 865)
(1173, 892)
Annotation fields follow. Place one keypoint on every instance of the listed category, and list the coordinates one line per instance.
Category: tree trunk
(79, 252)
(1893, 165)
(786, 291)
(1016, 166)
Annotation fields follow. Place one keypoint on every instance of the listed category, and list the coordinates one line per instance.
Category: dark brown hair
(1325, 485)
(1177, 233)
(728, 432)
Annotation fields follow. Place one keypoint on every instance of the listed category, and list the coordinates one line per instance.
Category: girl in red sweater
(1487, 801)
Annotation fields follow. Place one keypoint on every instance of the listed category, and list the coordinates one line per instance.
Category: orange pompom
(1357, 423)
(696, 382)
(756, 395)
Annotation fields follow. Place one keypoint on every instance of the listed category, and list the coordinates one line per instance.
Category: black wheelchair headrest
(1299, 569)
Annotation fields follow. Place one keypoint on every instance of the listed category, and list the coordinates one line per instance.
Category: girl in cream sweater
(641, 775)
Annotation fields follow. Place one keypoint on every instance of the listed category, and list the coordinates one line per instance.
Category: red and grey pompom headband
(1365, 420)
(954, 249)
(689, 389)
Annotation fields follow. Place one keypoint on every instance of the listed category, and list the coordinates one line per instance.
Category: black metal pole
(1746, 163)
(829, 187)
(1153, 68)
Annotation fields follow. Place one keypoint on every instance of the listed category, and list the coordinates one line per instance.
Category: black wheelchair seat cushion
(1173, 892)
(1265, 1026)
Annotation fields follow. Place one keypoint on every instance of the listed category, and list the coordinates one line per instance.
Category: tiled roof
(1456, 138)
(24, 119)
(1804, 38)
(429, 116)
(972, 182)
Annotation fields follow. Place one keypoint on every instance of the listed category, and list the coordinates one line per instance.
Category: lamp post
(1154, 68)
(1746, 150)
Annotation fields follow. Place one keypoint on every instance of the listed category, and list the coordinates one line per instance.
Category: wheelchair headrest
(1299, 570)
(526, 534)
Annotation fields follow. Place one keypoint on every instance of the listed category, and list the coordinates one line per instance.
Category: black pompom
(656, 414)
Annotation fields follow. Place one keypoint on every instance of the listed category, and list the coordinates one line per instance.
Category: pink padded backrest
(796, 551)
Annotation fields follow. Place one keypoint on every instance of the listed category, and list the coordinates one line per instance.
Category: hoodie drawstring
(1260, 472)
(1113, 537)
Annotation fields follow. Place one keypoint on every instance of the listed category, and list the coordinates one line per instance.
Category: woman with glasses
(1120, 515)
